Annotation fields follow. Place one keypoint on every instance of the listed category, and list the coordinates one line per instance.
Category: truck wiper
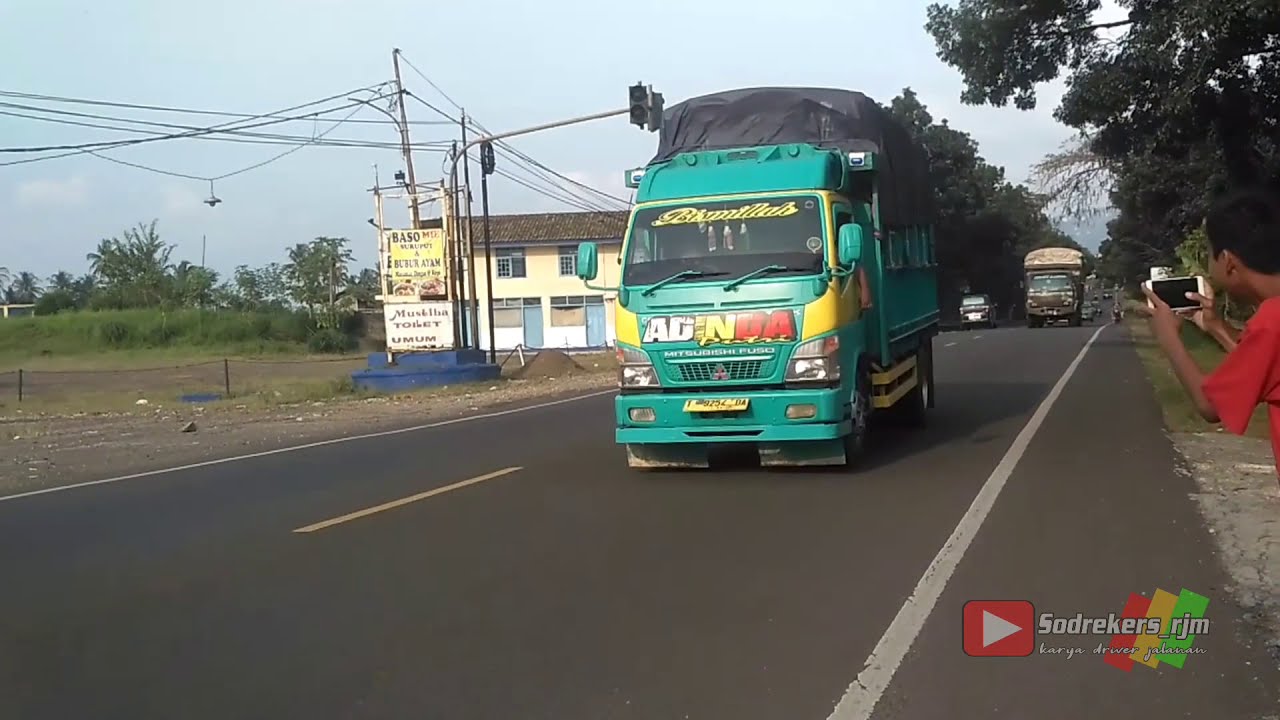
(683, 274)
(767, 269)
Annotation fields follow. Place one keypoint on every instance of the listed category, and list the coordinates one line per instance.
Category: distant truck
(779, 280)
(1055, 286)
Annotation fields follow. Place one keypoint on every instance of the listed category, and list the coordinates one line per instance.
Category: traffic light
(639, 105)
(646, 107)
(655, 112)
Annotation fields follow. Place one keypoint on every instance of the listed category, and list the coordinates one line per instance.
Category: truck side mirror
(588, 262)
(850, 244)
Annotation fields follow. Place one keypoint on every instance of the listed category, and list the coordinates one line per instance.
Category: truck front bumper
(1052, 312)
(764, 420)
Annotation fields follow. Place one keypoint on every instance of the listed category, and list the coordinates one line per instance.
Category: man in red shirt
(1243, 230)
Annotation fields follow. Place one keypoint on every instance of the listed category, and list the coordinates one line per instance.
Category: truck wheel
(916, 404)
(860, 413)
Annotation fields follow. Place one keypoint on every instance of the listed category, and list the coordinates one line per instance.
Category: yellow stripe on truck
(626, 325)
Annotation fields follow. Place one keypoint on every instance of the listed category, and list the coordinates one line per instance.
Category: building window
(568, 261)
(511, 263)
(568, 311)
(508, 312)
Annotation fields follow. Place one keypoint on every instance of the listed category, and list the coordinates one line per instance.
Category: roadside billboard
(416, 325)
(415, 267)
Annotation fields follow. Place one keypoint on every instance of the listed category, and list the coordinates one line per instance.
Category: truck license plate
(717, 405)
(975, 316)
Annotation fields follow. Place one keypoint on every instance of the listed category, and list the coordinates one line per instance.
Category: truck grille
(710, 371)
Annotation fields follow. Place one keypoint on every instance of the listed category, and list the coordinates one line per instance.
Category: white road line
(859, 701)
(950, 344)
(307, 446)
(977, 337)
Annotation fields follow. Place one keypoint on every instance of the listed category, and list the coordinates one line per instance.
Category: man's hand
(1206, 317)
(1166, 325)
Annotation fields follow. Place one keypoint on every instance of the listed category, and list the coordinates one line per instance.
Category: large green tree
(1175, 100)
(985, 224)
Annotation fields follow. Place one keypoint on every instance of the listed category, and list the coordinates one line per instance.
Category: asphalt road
(571, 587)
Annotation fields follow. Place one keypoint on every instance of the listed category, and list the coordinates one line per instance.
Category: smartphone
(1173, 291)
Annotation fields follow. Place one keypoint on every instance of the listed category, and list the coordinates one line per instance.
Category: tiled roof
(547, 228)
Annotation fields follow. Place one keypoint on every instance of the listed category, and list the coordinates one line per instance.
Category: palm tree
(62, 281)
(25, 287)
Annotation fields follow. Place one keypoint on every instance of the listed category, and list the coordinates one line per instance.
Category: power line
(560, 193)
(574, 200)
(178, 110)
(250, 138)
(276, 119)
(204, 133)
(224, 176)
(511, 151)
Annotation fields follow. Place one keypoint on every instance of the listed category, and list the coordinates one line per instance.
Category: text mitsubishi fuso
(778, 284)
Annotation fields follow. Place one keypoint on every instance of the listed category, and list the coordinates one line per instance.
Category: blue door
(595, 326)
(532, 317)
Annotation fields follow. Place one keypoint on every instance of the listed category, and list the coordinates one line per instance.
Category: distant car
(1106, 295)
(977, 310)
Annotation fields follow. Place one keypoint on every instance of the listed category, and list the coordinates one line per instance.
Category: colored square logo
(999, 628)
(1159, 630)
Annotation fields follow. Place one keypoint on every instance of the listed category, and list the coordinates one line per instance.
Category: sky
(511, 65)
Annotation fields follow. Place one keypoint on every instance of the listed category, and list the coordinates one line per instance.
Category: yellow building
(539, 302)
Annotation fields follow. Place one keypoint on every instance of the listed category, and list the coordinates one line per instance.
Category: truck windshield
(1050, 283)
(726, 238)
(974, 300)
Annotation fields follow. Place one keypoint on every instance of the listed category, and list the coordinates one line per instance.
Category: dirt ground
(43, 449)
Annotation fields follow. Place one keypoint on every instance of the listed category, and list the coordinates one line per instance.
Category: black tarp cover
(840, 119)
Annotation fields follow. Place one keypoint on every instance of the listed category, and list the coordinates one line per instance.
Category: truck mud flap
(675, 455)
(802, 453)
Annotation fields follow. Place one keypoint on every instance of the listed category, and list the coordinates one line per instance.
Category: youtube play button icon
(999, 628)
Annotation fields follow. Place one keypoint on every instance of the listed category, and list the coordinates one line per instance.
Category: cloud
(44, 193)
(607, 182)
(179, 200)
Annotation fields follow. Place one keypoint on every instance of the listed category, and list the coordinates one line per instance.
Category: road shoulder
(1098, 509)
(51, 451)
(1236, 489)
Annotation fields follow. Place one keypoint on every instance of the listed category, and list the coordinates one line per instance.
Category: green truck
(779, 280)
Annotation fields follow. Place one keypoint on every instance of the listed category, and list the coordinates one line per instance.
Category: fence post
(226, 376)
(19, 384)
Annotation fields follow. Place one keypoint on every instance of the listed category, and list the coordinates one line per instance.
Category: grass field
(132, 338)
(1179, 414)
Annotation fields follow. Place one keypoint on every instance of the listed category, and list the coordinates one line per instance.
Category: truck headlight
(817, 360)
(635, 369)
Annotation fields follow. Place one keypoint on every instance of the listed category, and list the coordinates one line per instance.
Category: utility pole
(405, 147)
(455, 225)
(453, 241)
(486, 168)
(472, 295)
(447, 216)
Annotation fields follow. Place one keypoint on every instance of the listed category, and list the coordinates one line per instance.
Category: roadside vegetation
(136, 304)
(1179, 413)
